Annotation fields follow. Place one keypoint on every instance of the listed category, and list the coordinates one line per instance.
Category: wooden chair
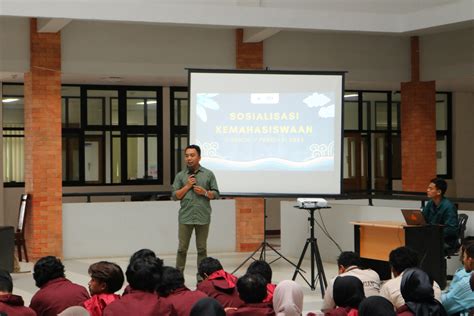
(20, 241)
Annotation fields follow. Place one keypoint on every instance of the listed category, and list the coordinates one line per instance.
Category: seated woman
(288, 299)
(417, 291)
(376, 306)
(348, 293)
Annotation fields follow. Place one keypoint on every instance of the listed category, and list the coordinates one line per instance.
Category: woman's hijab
(288, 299)
(376, 306)
(348, 291)
(417, 291)
(207, 307)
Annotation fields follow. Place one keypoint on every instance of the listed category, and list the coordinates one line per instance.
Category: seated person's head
(348, 291)
(144, 274)
(376, 306)
(416, 286)
(252, 288)
(437, 187)
(171, 280)
(471, 281)
(262, 268)
(142, 253)
(208, 266)
(347, 259)
(288, 298)
(6, 282)
(401, 259)
(47, 269)
(468, 259)
(106, 277)
(465, 242)
(207, 307)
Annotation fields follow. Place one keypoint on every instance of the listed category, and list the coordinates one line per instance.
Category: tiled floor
(76, 271)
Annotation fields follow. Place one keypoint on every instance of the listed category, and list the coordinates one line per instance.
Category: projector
(311, 202)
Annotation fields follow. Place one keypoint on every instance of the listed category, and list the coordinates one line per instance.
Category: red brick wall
(418, 127)
(43, 144)
(249, 211)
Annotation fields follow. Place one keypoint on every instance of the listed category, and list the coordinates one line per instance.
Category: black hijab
(417, 291)
(376, 306)
(207, 307)
(348, 291)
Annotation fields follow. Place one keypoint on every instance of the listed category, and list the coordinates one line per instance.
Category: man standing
(440, 211)
(194, 186)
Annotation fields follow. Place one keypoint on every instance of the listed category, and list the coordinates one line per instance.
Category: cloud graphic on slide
(205, 101)
(328, 111)
(315, 100)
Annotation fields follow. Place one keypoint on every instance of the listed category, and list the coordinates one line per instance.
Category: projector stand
(315, 258)
(263, 246)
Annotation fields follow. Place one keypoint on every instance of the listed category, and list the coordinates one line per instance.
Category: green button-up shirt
(195, 209)
(445, 214)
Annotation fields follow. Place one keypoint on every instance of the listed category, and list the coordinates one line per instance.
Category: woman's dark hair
(47, 269)
(171, 280)
(109, 273)
(252, 288)
(144, 274)
(262, 268)
(348, 291)
(376, 306)
(208, 266)
(142, 253)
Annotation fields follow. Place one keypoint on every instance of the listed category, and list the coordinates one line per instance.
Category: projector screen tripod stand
(264, 245)
(315, 258)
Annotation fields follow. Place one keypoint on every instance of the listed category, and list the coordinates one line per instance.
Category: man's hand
(199, 190)
(191, 181)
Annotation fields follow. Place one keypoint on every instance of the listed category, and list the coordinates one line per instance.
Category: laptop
(413, 217)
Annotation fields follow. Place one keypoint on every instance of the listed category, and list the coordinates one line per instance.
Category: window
(99, 124)
(179, 127)
(443, 134)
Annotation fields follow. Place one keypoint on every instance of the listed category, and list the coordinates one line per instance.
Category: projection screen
(269, 132)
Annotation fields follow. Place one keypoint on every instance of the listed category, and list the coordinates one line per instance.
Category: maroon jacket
(404, 311)
(220, 285)
(96, 304)
(257, 309)
(138, 303)
(182, 300)
(270, 289)
(57, 295)
(13, 305)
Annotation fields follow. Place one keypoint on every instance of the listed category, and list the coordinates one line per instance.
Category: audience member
(471, 281)
(458, 297)
(252, 290)
(440, 211)
(349, 263)
(56, 293)
(348, 294)
(106, 279)
(143, 276)
(141, 254)
(376, 306)
(173, 291)
(217, 283)
(74, 311)
(263, 268)
(288, 299)
(400, 259)
(417, 291)
(11, 304)
(207, 307)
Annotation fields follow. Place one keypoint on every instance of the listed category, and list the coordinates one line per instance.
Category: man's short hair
(208, 266)
(440, 184)
(349, 258)
(403, 258)
(198, 149)
(46, 269)
(144, 274)
(109, 273)
(469, 250)
(252, 288)
(6, 282)
(142, 253)
(262, 268)
(171, 280)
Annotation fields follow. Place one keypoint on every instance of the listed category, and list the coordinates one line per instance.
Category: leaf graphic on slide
(328, 111)
(201, 113)
(205, 101)
(316, 100)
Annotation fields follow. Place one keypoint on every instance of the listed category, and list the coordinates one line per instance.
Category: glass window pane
(441, 155)
(381, 116)
(94, 157)
(378, 109)
(95, 111)
(184, 109)
(135, 112)
(181, 94)
(12, 89)
(74, 107)
(351, 115)
(114, 112)
(365, 117)
(63, 113)
(135, 157)
(13, 156)
(395, 114)
(70, 158)
(441, 112)
(141, 94)
(396, 156)
(12, 109)
(152, 143)
(116, 160)
(151, 112)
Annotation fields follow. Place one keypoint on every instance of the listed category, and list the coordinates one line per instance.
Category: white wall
(15, 47)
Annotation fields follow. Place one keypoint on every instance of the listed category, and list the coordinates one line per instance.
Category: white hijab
(288, 299)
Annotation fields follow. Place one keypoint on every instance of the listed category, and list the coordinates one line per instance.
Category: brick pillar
(418, 127)
(43, 145)
(249, 211)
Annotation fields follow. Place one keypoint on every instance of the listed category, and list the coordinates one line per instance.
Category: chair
(20, 241)
(462, 220)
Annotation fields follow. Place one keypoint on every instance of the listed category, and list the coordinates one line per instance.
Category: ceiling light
(9, 100)
(351, 95)
(147, 102)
